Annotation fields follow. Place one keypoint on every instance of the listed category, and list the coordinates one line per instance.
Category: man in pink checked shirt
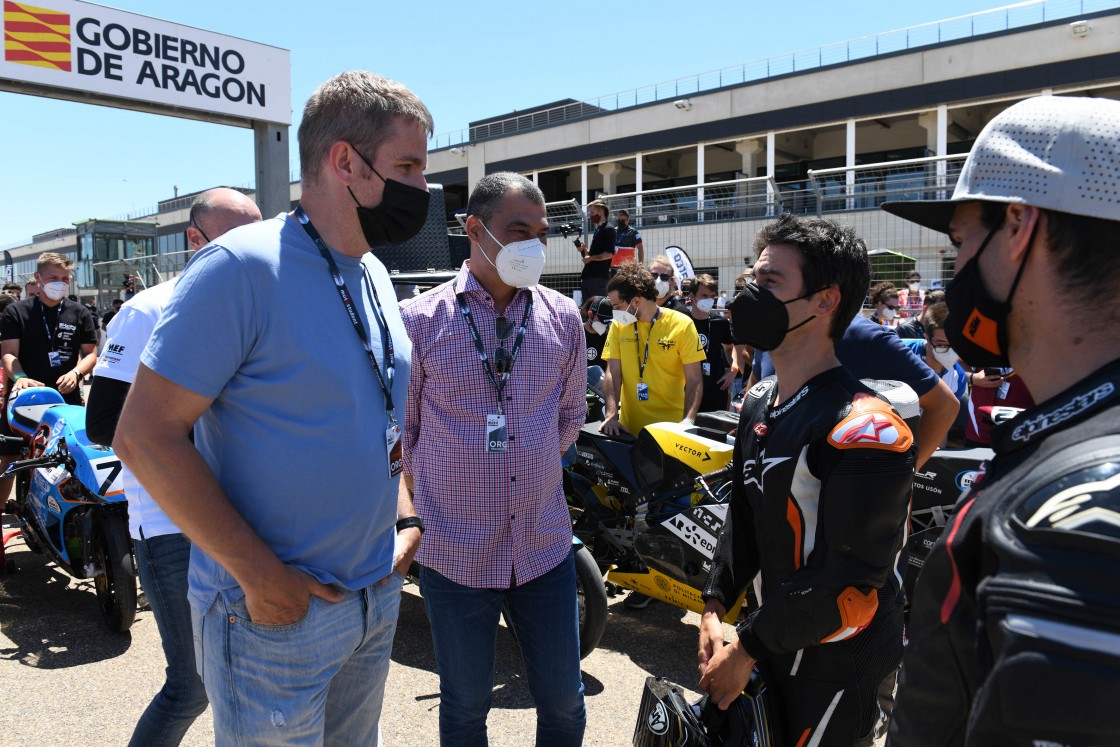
(497, 393)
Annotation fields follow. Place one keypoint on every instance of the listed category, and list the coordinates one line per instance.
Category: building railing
(870, 185)
(914, 37)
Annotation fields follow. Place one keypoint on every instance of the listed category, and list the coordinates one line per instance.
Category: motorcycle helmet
(25, 408)
(750, 721)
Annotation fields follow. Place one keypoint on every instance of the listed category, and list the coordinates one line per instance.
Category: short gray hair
(490, 190)
(356, 106)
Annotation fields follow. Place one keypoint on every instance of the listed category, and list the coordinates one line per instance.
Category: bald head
(217, 211)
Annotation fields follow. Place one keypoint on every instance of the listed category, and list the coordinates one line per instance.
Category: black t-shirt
(601, 243)
(714, 332)
(595, 345)
(627, 237)
(42, 330)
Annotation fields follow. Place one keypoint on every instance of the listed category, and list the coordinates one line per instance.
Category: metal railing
(888, 42)
(870, 185)
(737, 199)
(565, 217)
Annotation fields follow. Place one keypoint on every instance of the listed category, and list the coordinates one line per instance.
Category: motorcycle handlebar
(12, 439)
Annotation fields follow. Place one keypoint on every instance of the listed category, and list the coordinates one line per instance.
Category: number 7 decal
(114, 467)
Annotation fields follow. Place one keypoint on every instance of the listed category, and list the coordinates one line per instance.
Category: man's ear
(1020, 221)
(344, 163)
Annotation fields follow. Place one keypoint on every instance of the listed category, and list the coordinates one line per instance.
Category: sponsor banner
(680, 261)
(80, 46)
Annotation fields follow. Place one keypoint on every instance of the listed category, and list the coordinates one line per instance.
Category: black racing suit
(821, 511)
(1015, 627)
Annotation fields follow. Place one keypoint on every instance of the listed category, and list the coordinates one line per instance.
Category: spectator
(47, 340)
(108, 315)
(597, 314)
(912, 328)
(1013, 628)
(720, 368)
(649, 383)
(912, 296)
(627, 238)
(162, 552)
(499, 533)
(936, 351)
(597, 259)
(721, 302)
(13, 290)
(129, 285)
(31, 289)
(664, 277)
(295, 570)
(990, 388)
(823, 470)
(884, 299)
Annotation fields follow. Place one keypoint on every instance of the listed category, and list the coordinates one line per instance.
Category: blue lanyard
(352, 312)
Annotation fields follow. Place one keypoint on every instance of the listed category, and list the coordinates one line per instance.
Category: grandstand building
(704, 161)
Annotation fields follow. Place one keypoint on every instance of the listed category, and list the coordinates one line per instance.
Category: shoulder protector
(871, 424)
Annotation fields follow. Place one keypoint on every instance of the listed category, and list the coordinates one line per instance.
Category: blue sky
(62, 162)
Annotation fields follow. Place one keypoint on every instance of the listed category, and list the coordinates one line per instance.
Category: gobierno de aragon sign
(84, 47)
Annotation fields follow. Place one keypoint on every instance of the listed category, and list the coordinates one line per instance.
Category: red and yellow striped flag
(36, 36)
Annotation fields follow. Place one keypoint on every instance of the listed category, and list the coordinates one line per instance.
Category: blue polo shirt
(296, 431)
(870, 351)
(954, 377)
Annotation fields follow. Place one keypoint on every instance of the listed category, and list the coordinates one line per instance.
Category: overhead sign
(84, 47)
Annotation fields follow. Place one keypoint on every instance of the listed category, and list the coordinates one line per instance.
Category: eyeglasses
(666, 276)
(940, 348)
(892, 308)
(503, 359)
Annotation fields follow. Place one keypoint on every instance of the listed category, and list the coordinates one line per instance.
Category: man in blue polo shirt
(290, 499)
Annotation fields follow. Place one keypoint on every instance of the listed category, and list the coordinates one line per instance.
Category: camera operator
(597, 259)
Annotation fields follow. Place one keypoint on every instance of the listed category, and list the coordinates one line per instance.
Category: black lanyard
(637, 331)
(352, 312)
(51, 336)
(499, 386)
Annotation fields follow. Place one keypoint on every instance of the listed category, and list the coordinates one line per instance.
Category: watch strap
(410, 521)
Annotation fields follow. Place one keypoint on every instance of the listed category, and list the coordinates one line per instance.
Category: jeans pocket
(239, 613)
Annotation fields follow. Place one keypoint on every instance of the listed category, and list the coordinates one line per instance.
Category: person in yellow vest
(653, 357)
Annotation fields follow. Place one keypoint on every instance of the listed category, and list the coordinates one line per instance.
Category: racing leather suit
(819, 506)
(1015, 626)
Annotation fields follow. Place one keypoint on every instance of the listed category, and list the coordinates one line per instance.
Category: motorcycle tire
(116, 584)
(591, 595)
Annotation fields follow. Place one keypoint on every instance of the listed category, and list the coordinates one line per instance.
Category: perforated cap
(1056, 152)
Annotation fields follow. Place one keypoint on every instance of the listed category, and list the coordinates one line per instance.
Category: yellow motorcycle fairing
(691, 449)
(655, 584)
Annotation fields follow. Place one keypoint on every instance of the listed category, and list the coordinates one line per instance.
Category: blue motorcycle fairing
(96, 466)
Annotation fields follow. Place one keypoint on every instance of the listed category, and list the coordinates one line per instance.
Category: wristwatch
(410, 521)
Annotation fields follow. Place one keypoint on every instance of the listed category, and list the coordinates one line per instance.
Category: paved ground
(69, 681)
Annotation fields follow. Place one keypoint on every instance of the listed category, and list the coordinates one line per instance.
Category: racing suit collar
(1098, 390)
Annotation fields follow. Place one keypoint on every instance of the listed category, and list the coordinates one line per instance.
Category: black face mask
(977, 323)
(760, 320)
(399, 217)
(622, 225)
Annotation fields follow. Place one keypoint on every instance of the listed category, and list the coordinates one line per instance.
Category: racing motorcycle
(651, 508)
(69, 501)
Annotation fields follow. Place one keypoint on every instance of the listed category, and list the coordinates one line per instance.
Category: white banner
(80, 46)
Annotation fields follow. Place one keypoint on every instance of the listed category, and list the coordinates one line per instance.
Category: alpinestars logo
(764, 465)
(1079, 404)
(873, 428)
(1082, 506)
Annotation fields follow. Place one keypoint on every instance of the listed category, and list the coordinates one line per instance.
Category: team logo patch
(872, 428)
(658, 720)
(667, 343)
(761, 429)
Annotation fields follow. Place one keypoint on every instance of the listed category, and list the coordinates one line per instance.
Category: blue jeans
(317, 681)
(162, 562)
(545, 617)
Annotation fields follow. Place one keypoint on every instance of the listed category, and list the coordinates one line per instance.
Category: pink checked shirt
(492, 517)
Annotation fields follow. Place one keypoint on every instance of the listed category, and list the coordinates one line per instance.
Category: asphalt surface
(68, 681)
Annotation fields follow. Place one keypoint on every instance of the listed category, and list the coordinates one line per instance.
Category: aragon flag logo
(36, 36)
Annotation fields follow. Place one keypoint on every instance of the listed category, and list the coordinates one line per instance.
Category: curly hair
(632, 281)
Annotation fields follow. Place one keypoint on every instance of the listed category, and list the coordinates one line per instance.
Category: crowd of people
(430, 431)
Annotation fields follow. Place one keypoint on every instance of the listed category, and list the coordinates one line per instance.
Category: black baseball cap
(601, 307)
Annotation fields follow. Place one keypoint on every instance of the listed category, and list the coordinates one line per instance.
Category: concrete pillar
(535, 174)
(749, 151)
(771, 198)
(638, 188)
(270, 147)
(476, 164)
(610, 172)
(700, 180)
(583, 187)
(850, 162)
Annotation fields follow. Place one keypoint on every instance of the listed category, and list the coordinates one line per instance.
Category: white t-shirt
(126, 337)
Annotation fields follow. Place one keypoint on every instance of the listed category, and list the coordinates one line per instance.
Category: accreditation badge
(496, 440)
(394, 449)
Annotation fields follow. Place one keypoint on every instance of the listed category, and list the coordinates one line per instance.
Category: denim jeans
(545, 617)
(162, 562)
(317, 681)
